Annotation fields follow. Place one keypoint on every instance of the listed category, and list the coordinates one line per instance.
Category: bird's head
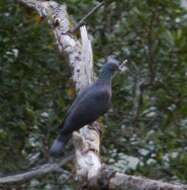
(111, 65)
(108, 70)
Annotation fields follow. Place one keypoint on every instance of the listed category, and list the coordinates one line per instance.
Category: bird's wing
(80, 96)
(87, 109)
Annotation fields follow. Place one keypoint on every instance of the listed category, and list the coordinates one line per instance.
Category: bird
(93, 102)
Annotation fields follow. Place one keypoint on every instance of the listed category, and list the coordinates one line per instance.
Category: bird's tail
(58, 145)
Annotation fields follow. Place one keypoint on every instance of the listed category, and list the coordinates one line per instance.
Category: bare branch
(36, 172)
(87, 54)
(81, 22)
(122, 182)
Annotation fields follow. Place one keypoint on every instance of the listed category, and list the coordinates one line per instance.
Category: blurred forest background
(145, 132)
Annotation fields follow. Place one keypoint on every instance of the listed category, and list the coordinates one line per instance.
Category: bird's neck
(106, 76)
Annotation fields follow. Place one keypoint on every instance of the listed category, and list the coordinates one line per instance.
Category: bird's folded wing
(94, 103)
(80, 96)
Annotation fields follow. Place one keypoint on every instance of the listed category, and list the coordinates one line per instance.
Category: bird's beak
(122, 67)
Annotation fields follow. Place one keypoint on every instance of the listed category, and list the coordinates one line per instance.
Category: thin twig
(81, 22)
(36, 171)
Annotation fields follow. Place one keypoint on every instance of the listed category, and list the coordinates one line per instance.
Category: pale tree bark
(80, 58)
(119, 181)
(87, 142)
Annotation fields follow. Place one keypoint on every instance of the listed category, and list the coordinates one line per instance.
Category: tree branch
(122, 182)
(36, 172)
(81, 22)
(79, 54)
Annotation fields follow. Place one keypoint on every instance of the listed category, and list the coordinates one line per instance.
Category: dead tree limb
(81, 22)
(122, 182)
(80, 58)
(35, 172)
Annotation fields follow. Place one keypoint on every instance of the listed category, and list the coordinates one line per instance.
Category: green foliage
(35, 89)
(31, 90)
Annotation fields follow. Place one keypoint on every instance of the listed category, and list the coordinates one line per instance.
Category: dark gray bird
(92, 102)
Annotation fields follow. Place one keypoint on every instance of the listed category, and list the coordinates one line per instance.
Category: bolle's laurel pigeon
(92, 102)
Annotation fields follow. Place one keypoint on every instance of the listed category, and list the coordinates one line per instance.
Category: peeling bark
(80, 58)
